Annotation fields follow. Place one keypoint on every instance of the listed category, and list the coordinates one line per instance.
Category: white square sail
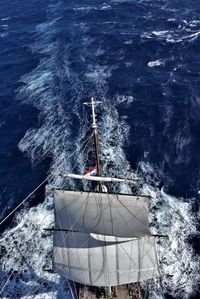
(102, 213)
(104, 261)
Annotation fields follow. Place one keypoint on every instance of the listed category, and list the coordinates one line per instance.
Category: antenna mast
(93, 103)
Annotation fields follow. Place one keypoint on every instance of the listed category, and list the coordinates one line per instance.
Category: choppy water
(141, 59)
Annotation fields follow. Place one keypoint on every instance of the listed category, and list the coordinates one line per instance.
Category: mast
(93, 103)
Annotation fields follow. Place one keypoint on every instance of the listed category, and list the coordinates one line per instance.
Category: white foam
(5, 19)
(97, 73)
(177, 257)
(4, 34)
(125, 99)
(161, 32)
(128, 42)
(155, 63)
(84, 8)
(128, 64)
(176, 36)
(105, 7)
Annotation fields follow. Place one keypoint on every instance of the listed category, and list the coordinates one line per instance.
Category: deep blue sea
(141, 58)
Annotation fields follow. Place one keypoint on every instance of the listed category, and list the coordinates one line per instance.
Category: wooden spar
(96, 136)
(96, 144)
(93, 103)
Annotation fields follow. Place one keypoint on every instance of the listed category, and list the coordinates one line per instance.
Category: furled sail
(99, 178)
(102, 213)
(104, 261)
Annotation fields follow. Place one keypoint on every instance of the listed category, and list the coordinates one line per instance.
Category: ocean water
(142, 60)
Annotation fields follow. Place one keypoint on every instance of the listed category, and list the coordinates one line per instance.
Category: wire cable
(25, 199)
(46, 179)
(5, 284)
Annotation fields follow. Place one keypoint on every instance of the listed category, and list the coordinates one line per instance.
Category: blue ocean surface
(141, 58)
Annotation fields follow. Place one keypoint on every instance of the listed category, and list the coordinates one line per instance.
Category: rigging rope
(177, 212)
(25, 199)
(42, 183)
(5, 284)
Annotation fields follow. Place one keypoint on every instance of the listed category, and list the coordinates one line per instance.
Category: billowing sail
(102, 213)
(104, 261)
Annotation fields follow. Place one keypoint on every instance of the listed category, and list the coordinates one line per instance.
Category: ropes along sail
(86, 259)
(102, 213)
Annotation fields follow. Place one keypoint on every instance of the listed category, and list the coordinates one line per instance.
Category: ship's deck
(119, 292)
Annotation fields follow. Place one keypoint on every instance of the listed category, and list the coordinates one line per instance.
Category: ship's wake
(69, 71)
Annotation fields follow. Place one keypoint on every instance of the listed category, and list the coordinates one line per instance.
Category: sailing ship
(102, 241)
